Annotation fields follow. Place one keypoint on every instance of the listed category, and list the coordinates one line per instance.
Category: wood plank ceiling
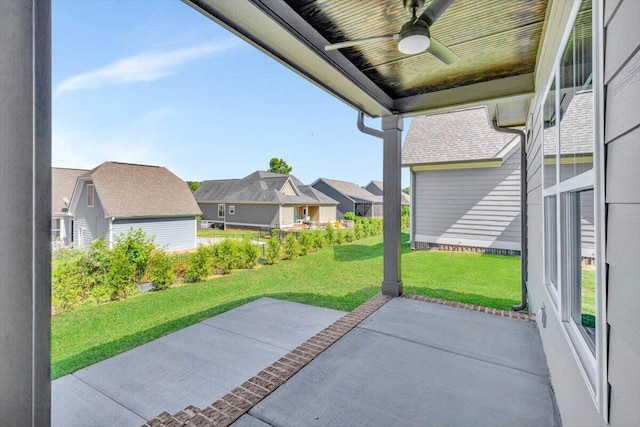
(493, 38)
(497, 42)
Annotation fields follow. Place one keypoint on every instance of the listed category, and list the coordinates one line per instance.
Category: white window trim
(232, 209)
(592, 367)
(91, 190)
(221, 205)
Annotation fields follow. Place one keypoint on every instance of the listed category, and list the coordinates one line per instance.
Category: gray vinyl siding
(91, 219)
(622, 189)
(253, 215)
(172, 234)
(469, 207)
(622, 240)
(345, 204)
(246, 214)
(209, 211)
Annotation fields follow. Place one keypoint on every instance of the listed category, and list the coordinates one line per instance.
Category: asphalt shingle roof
(63, 181)
(127, 190)
(352, 190)
(464, 135)
(259, 187)
(377, 188)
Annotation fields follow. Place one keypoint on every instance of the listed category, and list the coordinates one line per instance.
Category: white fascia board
(304, 55)
(504, 90)
(77, 190)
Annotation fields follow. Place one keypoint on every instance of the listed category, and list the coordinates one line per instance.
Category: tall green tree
(279, 166)
(193, 185)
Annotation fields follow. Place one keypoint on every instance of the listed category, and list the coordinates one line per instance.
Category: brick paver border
(495, 311)
(240, 400)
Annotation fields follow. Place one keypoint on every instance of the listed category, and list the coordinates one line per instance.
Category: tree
(406, 190)
(279, 166)
(193, 185)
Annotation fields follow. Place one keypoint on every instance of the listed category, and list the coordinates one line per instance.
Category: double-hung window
(569, 189)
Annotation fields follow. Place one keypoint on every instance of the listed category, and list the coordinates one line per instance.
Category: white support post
(392, 141)
(25, 212)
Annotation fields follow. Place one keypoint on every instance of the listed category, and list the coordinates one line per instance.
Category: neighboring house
(114, 197)
(377, 189)
(351, 197)
(263, 199)
(63, 181)
(465, 183)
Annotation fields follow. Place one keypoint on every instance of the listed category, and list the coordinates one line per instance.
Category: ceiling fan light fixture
(414, 38)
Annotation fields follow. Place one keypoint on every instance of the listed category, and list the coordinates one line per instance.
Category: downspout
(110, 232)
(369, 131)
(364, 129)
(523, 210)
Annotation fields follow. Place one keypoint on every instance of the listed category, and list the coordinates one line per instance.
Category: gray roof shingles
(464, 135)
(128, 191)
(63, 181)
(352, 190)
(259, 187)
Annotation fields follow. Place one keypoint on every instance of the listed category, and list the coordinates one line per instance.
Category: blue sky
(155, 82)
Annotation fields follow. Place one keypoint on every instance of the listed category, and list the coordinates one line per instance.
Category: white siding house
(114, 197)
(465, 183)
(63, 181)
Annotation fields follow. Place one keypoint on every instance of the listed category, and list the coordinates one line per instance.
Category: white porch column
(25, 211)
(392, 140)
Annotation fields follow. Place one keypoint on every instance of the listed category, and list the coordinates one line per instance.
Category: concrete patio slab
(389, 371)
(248, 421)
(488, 337)
(71, 393)
(194, 366)
(269, 320)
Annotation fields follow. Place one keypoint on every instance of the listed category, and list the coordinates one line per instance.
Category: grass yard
(216, 232)
(340, 277)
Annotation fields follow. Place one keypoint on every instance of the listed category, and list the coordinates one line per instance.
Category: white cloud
(147, 66)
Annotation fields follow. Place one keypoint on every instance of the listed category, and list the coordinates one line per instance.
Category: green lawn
(232, 232)
(340, 277)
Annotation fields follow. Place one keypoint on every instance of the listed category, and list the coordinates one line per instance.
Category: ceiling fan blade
(358, 42)
(442, 52)
(434, 10)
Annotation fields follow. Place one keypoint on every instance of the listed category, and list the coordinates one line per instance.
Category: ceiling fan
(414, 36)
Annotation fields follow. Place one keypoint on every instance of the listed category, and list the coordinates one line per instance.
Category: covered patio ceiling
(497, 42)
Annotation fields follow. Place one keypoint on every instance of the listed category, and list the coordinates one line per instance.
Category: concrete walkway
(194, 366)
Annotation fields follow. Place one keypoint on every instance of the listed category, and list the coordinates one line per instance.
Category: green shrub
(228, 255)
(329, 234)
(405, 213)
(349, 235)
(160, 270)
(366, 228)
(137, 247)
(121, 277)
(251, 252)
(199, 265)
(357, 230)
(319, 239)
(349, 216)
(273, 250)
(291, 246)
(307, 242)
(67, 284)
(179, 268)
(338, 237)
